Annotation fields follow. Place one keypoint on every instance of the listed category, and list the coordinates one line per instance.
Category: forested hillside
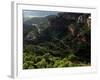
(54, 41)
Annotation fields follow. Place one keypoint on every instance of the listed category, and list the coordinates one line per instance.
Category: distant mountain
(27, 18)
(51, 16)
(36, 20)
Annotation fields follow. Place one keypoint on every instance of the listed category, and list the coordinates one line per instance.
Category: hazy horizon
(35, 13)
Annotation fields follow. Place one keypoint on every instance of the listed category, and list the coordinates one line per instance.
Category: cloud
(34, 13)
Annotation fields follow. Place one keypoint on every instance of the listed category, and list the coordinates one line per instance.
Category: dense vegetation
(61, 42)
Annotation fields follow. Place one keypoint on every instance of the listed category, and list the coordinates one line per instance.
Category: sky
(34, 13)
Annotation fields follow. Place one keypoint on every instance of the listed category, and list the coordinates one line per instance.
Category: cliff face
(65, 19)
(53, 25)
